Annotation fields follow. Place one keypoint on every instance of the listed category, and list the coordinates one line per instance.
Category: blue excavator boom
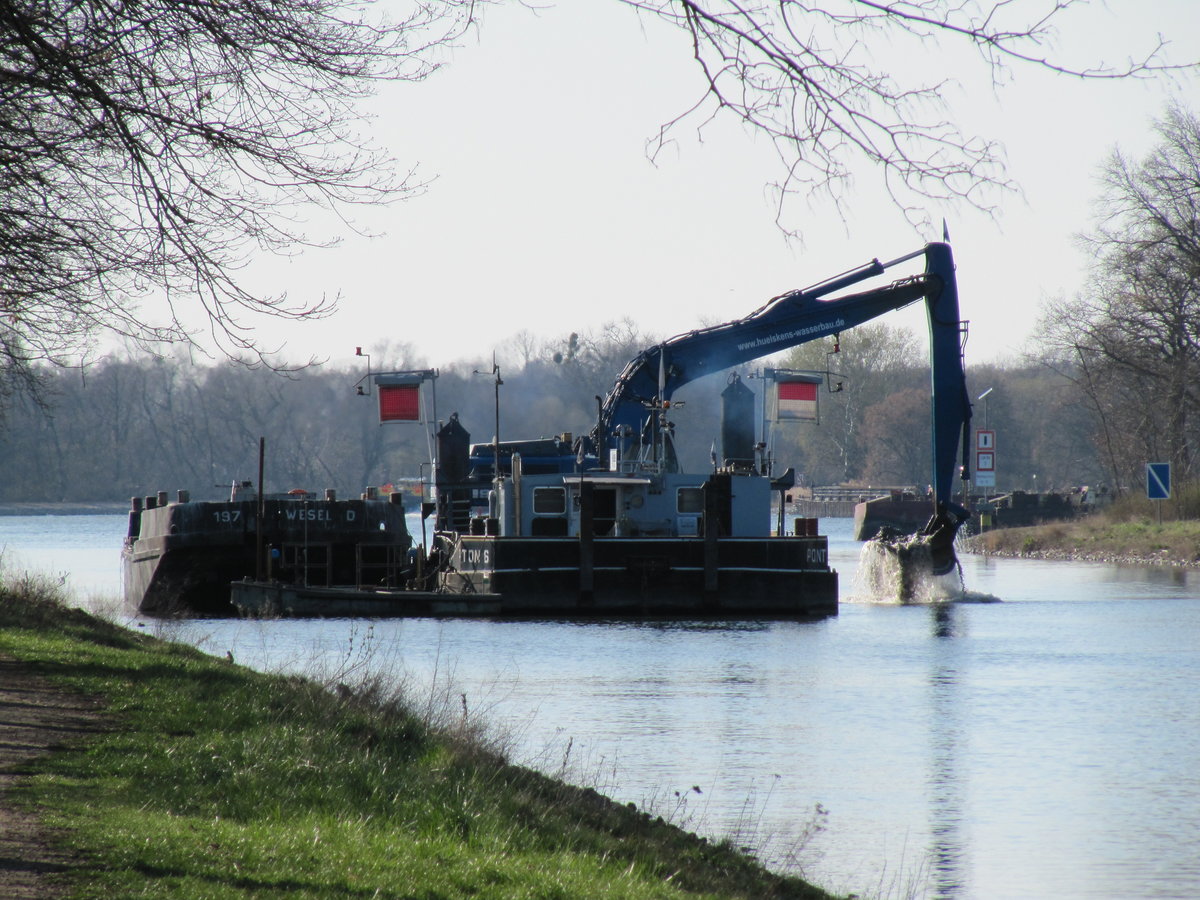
(797, 317)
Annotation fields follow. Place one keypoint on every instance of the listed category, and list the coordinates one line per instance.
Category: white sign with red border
(985, 458)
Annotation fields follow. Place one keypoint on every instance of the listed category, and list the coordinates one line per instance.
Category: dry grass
(1128, 531)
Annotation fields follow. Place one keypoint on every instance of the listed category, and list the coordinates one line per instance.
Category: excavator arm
(650, 380)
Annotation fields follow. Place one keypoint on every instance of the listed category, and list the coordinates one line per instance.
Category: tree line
(152, 149)
(1109, 386)
(132, 425)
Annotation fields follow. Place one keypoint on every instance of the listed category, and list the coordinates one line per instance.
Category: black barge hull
(778, 576)
(543, 578)
(180, 558)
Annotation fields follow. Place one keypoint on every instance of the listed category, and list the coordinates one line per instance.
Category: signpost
(1158, 484)
(1158, 481)
(985, 458)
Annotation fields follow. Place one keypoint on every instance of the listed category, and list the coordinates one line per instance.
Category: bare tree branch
(1135, 330)
(803, 73)
(150, 149)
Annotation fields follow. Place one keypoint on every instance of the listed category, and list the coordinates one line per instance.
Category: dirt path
(35, 718)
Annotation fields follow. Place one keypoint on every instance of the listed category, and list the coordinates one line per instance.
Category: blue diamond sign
(1158, 481)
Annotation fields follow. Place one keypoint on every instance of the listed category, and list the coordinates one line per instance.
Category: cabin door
(604, 510)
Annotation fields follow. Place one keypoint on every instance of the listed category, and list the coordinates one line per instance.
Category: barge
(180, 557)
(633, 539)
(572, 539)
(275, 599)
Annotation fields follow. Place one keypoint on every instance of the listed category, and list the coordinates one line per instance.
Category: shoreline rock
(1060, 554)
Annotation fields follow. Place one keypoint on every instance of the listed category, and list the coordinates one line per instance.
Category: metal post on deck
(714, 500)
(587, 543)
(258, 525)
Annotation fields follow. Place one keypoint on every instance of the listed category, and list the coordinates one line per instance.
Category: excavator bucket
(939, 534)
(929, 552)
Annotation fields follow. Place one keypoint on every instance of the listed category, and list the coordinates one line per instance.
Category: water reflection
(668, 626)
(1173, 576)
(944, 620)
(946, 779)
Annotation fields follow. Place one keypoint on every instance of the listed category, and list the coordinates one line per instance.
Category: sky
(544, 214)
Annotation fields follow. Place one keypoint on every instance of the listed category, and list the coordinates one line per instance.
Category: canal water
(1046, 745)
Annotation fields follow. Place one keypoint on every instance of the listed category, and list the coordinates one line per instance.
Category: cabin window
(690, 501)
(549, 501)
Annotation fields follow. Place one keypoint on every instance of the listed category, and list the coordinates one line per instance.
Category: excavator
(797, 317)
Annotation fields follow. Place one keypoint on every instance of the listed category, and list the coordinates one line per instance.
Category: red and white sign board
(796, 401)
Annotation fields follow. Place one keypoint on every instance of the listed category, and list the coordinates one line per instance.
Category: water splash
(900, 570)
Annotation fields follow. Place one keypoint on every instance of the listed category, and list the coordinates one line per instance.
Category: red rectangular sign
(399, 402)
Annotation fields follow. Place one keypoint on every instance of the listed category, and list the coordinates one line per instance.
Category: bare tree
(892, 456)
(1134, 333)
(148, 149)
(589, 361)
(872, 362)
(803, 73)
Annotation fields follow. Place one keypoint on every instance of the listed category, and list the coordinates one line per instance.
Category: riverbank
(202, 778)
(1097, 538)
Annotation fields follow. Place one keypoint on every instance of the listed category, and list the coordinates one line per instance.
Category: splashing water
(901, 570)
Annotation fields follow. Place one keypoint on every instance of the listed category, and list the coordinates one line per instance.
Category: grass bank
(1129, 531)
(215, 781)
